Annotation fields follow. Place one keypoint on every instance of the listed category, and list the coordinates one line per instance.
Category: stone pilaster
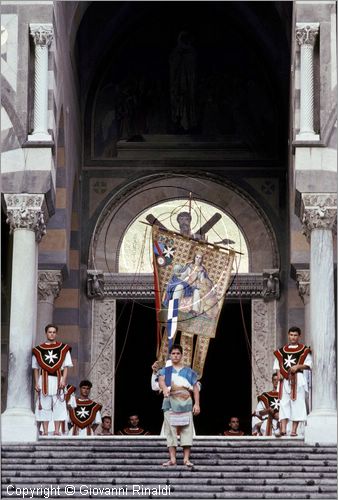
(306, 35)
(42, 35)
(263, 345)
(102, 372)
(49, 286)
(319, 218)
(26, 214)
(303, 286)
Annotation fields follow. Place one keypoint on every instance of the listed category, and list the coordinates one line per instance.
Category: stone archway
(106, 285)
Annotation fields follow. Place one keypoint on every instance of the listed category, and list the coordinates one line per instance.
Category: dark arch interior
(241, 71)
(226, 382)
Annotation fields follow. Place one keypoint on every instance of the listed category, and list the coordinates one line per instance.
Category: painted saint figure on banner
(191, 285)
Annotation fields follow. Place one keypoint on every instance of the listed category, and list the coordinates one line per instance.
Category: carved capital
(306, 33)
(95, 284)
(49, 285)
(42, 34)
(27, 211)
(303, 283)
(271, 286)
(318, 211)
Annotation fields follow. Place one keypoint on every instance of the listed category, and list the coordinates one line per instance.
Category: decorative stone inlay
(318, 211)
(271, 284)
(42, 33)
(129, 286)
(303, 283)
(306, 33)
(27, 211)
(103, 354)
(49, 285)
(263, 344)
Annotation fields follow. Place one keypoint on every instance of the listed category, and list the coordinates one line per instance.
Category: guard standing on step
(50, 363)
(86, 416)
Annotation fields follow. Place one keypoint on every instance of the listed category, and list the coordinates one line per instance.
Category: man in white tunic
(291, 361)
(50, 363)
(265, 418)
(86, 415)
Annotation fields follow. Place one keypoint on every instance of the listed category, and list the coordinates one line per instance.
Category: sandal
(56, 433)
(293, 434)
(280, 434)
(169, 463)
(188, 463)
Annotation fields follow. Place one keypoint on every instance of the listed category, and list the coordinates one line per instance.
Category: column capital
(27, 211)
(318, 211)
(42, 33)
(306, 33)
(303, 284)
(49, 285)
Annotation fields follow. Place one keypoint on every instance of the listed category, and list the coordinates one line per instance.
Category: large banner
(194, 276)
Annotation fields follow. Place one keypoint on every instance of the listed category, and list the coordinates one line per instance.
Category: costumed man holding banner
(50, 363)
(178, 405)
(265, 418)
(291, 360)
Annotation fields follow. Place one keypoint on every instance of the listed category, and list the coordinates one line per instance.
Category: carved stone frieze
(263, 345)
(27, 211)
(318, 211)
(42, 33)
(129, 286)
(49, 285)
(303, 283)
(103, 354)
(306, 33)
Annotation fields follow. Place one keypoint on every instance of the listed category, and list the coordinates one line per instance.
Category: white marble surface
(321, 428)
(19, 415)
(324, 402)
(18, 425)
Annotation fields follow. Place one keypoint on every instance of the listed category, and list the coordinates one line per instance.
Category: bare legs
(172, 456)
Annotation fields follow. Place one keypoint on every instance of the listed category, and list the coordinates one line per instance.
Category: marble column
(303, 285)
(26, 215)
(49, 286)
(306, 34)
(319, 218)
(42, 35)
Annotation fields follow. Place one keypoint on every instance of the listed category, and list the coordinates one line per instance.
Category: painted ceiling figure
(182, 83)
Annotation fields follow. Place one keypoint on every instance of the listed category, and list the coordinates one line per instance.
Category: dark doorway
(226, 383)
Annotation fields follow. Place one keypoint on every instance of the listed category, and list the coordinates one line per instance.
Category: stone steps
(224, 468)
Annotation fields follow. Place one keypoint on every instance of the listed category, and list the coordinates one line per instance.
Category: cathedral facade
(116, 113)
